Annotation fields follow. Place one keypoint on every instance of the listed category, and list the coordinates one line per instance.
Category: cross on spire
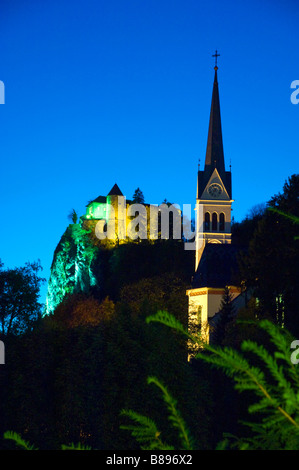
(216, 55)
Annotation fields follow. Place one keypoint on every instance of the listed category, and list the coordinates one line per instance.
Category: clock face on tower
(214, 190)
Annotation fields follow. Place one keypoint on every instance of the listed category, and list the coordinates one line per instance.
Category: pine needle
(19, 441)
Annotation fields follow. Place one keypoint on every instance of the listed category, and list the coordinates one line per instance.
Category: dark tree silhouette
(138, 197)
(271, 267)
(19, 295)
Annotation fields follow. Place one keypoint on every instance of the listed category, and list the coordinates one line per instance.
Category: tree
(82, 309)
(288, 200)
(259, 370)
(257, 211)
(73, 216)
(271, 266)
(242, 232)
(138, 197)
(224, 317)
(19, 294)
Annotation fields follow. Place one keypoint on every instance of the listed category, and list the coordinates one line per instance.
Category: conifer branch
(293, 218)
(237, 367)
(145, 431)
(169, 320)
(18, 440)
(174, 416)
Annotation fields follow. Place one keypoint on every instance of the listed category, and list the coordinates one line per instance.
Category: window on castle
(214, 222)
(221, 222)
(207, 221)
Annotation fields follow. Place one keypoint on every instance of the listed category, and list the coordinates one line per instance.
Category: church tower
(214, 196)
(215, 256)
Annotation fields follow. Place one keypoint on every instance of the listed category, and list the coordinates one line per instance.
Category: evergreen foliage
(18, 440)
(267, 373)
(223, 319)
(146, 431)
(24, 445)
(73, 216)
(138, 197)
(269, 268)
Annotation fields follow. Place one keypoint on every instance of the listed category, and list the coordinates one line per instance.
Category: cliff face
(71, 269)
(141, 270)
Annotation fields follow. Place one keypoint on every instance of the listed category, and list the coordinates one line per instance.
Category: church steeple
(214, 195)
(214, 152)
(215, 257)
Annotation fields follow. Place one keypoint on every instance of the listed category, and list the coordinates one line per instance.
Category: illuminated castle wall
(121, 220)
(114, 209)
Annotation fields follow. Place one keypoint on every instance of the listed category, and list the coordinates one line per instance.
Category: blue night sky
(105, 91)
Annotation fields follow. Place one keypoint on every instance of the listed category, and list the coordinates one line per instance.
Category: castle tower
(116, 211)
(215, 256)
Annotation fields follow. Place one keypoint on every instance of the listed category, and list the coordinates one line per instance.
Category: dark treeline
(68, 376)
(67, 379)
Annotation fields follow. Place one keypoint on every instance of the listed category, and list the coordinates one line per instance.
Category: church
(215, 256)
(215, 264)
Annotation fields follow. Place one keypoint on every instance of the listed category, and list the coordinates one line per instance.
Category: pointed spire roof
(115, 191)
(214, 152)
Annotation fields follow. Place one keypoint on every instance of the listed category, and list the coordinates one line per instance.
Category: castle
(215, 256)
(114, 217)
(119, 219)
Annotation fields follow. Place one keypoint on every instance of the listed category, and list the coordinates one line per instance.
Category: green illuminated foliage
(145, 430)
(265, 372)
(25, 445)
(73, 216)
(71, 267)
(18, 440)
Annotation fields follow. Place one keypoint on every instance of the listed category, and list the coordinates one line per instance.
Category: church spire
(214, 152)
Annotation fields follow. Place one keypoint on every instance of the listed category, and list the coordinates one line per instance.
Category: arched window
(207, 222)
(214, 222)
(221, 222)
